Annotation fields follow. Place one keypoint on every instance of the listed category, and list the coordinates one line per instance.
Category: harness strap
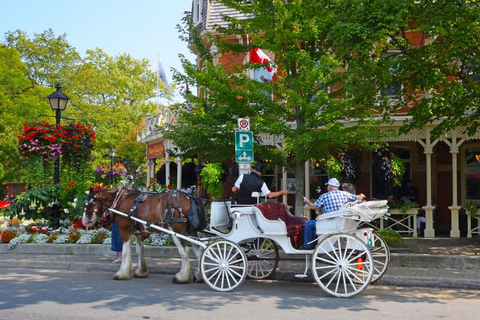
(172, 196)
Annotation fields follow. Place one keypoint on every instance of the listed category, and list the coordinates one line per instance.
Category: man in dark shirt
(409, 193)
(248, 183)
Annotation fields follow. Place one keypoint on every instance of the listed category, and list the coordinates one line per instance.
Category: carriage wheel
(262, 256)
(342, 265)
(223, 265)
(381, 257)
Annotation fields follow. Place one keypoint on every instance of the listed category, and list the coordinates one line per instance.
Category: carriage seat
(274, 218)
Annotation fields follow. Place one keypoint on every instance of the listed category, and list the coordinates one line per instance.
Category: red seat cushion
(277, 210)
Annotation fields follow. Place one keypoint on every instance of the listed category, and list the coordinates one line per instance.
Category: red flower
(72, 183)
(169, 187)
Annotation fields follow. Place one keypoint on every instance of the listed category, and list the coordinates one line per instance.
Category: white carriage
(345, 260)
(246, 238)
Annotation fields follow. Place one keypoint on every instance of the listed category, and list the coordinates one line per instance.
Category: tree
(112, 94)
(20, 102)
(307, 116)
(427, 50)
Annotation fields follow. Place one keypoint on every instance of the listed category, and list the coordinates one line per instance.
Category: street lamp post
(111, 152)
(58, 102)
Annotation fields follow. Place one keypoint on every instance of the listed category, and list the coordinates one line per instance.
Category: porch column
(428, 146)
(179, 173)
(150, 171)
(454, 208)
(167, 168)
(284, 184)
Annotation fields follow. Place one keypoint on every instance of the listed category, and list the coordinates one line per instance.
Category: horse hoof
(177, 281)
(141, 275)
(118, 277)
(198, 280)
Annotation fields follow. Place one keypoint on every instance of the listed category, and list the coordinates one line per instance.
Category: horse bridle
(87, 206)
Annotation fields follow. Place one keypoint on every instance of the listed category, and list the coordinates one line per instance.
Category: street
(44, 294)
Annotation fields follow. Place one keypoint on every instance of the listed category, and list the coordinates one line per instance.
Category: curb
(417, 270)
(396, 259)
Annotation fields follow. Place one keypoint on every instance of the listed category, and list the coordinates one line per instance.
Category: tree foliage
(112, 94)
(356, 48)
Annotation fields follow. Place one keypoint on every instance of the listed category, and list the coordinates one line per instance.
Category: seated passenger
(327, 202)
(248, 183)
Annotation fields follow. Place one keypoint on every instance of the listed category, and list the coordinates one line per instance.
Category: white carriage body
(239, 223)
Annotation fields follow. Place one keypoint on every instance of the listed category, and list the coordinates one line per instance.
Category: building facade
(445, 170)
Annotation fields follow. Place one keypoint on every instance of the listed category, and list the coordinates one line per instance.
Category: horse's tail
(196, 218)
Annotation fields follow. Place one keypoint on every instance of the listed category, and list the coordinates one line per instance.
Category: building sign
(155, 150)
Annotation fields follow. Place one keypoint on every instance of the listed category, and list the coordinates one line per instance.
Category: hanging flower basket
(388, 167)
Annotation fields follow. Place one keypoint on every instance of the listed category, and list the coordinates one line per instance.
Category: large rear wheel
(223, 265)
(381, 257)
(342, 265)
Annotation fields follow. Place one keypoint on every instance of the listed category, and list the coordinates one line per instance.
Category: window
(197, 11)
(471, 173)
(393, 89)
(318, 178)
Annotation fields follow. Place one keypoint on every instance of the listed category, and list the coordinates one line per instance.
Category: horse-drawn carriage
(243, 240)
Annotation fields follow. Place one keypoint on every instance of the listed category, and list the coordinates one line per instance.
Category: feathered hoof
(120, 277)
(178, 281)
(197, 278)
(140, 274)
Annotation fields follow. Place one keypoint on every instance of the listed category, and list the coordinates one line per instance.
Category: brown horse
(167, 210)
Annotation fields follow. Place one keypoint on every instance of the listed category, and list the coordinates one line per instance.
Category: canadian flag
(258, 56)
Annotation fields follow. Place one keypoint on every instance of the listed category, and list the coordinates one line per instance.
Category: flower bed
(14, 232)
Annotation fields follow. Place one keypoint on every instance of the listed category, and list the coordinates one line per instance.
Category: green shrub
(390, 236)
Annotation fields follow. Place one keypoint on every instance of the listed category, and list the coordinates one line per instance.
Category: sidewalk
(458, 267)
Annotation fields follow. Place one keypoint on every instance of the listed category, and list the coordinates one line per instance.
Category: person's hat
(259, 167)
(333, 182)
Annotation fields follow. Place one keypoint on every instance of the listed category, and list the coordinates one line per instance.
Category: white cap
(333, 182)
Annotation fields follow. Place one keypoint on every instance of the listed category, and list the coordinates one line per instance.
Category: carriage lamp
(58, 102)
(111, 152)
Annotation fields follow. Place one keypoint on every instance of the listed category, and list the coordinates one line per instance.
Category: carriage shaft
(150, 225)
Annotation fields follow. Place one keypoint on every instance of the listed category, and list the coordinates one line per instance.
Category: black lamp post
(111, 152)
(58, 102)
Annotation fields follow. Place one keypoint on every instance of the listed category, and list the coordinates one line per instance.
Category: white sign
(244, 168)
(244, 124)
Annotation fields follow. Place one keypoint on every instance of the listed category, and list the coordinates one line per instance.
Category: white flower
(63, 238)
(85, 239)
(40, 238)
(23, 238)
(33, 204)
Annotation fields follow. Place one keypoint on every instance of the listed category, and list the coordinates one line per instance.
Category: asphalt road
(56, 294)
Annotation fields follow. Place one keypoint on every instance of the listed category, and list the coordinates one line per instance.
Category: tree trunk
(300, 188)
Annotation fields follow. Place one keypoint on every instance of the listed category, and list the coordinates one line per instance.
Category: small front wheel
(342, 265)
(262, 256)
(223, 265)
